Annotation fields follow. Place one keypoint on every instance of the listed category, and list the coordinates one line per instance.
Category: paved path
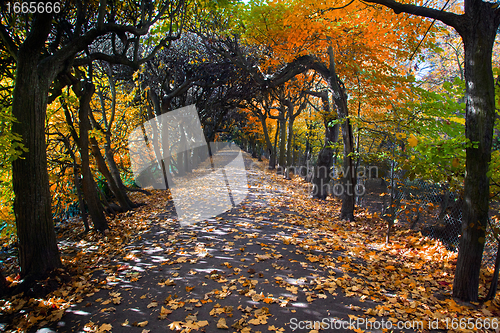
(250, 269)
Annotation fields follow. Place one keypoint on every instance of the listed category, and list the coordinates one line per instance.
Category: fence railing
(426, 207)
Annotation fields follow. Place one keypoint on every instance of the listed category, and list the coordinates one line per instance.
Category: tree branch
(454, 20)
(8, 42)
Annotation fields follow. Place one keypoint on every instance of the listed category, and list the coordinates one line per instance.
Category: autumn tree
(60, 37)
(477, 26)
(10, 144)
(297, 36)
(105, 113)
(190, 73)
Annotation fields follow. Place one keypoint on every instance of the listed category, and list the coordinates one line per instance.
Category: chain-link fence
(432, 209)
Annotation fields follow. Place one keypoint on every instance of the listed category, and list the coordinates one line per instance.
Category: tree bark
(38, 252)
(163, 162)
(115, 172)
(291, 119)
(281, 160)
(349, 176)
(479, 122)
(96, 210)
(76, 181)
(275, 146)
(269, 145)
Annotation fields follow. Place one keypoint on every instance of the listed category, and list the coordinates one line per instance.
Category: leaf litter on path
(277, 257)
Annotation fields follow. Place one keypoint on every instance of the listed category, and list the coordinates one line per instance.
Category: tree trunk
(81, 203)
(322, 175)
(348, 176)
(306, 157)
(477, 27)
(480, 118)
(289, 158)
(166, 154)
(115, 173)
(275, 146)
(156, 140)
(96, 210)
(181, 160)
(269, 145)
(76, 180)
(38, 252)
(281, 160)
(494, 283)
(294, 153)
(103, 168)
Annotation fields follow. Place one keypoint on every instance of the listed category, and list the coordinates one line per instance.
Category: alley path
(250, 269)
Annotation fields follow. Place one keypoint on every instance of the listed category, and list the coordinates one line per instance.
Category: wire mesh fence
(430, 208)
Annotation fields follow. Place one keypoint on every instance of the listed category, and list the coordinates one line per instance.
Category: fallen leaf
(222, 324)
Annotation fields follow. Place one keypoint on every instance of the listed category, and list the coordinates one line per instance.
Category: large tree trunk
(480, 118)
(96, 210)
(38, 252)
(477, 27)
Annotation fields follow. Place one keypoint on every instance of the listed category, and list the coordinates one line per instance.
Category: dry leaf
(104, 328)
(222, 324)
